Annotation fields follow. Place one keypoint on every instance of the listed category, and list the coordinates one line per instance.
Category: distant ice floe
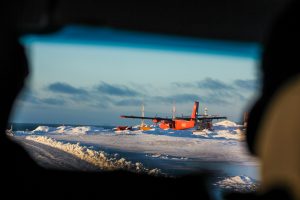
(166, 157)
(238, 184)
(98, 158)
(67, 130)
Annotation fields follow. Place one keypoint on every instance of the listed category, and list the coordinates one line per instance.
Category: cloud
(212, 84)
(184, 84)
(247, 84)
(128, 102)
(116, 90)
(215, 91)
(29, 98)
(187, 98)
(52, 101)
(207, 84)
(32, 97)
(181, 98)
(103, 102)
(28, 95)
(214, 99)
(65, 88)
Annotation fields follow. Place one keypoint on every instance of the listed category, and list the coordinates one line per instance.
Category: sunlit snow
(156, 151)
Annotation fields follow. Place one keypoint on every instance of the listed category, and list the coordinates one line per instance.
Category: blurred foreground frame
(235, 20)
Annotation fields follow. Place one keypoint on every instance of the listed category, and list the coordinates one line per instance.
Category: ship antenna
(205, 111)
(174, 110)
(143, 113)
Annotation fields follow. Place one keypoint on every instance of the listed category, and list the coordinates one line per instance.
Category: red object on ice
(178, 123)
(123, 128)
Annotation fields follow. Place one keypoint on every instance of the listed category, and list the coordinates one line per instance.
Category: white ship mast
(205, 111)
(174, 111)
(143, 114)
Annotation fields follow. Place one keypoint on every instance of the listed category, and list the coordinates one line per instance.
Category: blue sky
(84, 75)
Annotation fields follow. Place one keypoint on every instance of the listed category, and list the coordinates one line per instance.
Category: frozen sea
(221, 152)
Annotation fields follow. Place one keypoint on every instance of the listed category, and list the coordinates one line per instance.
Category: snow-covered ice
(97, 158)
(223, 143)
(68, 130)
(224, 129)
(167, 157)
(227, 123)
(238, 183)
(222, 148)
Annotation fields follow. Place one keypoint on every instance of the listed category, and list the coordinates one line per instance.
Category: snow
(45, 129)
(167, 148)
(235, 134)
(166, 157)
(224, 143)
(98, 158)
(238, 183)
(128, 132)
(68, 130)
(226, 123)
(201, 148)
(53, 158)
(222, 130)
